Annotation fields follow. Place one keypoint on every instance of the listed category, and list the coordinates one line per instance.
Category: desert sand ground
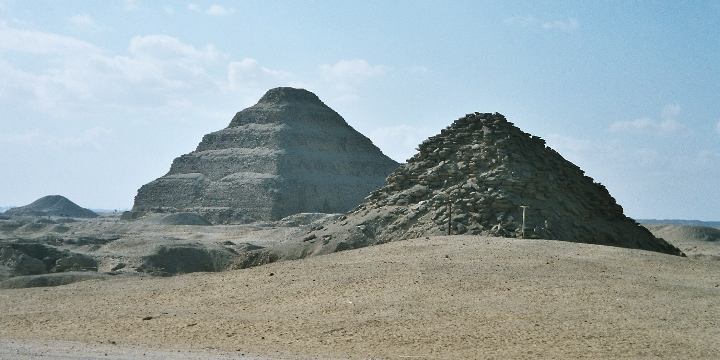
(49, 349)
(440, 297)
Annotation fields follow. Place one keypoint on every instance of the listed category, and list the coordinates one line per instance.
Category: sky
(98, 97)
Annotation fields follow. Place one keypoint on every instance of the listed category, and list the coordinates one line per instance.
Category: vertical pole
(449, 217)
(523, 221)
(449, 209)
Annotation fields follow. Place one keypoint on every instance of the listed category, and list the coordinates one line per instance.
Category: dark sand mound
(289, 153)
(475, 176)
(52, 205)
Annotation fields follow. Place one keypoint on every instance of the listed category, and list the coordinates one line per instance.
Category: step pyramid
(475, 177)
(289, 153)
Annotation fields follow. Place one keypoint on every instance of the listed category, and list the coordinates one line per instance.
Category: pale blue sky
(98, 97)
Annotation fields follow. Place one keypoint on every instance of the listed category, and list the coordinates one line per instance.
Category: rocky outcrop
(44, 280)
(290, 153)
(52, 205)
(187, 258)
(18, 258)
(474, 178)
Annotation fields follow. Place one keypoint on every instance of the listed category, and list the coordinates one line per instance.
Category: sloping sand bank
(443, 297)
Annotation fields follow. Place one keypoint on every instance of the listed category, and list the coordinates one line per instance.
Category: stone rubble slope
(479, 171)
(289, 153)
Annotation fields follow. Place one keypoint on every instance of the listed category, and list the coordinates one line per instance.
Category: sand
(442, 298)
(49, 349)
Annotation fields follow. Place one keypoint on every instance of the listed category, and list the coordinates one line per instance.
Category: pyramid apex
(288, 94)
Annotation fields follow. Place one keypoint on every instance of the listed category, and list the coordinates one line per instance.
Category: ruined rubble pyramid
(289, 153)
(52, 205)
(482, 169)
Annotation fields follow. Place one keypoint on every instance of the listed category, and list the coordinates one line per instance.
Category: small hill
(715, 224)
(52, 205)
(695, 241)
(683, 233)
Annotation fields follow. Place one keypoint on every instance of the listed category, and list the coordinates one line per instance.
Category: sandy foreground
(52, 349)
(442, 297)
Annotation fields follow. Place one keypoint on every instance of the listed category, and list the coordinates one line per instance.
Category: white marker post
(449, 205)
(523, 223)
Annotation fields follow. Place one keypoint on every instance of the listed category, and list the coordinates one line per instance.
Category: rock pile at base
(178, 219)
(290, 153)
(476, 174)
(52, 205)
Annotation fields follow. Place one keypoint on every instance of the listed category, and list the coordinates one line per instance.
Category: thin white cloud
(667, 124)
(530, 21)
(212, 10)
(647, 124)
(352, 70)
(157, 73)
(346, 76)
(248, 73)
(400, 141)
(93, 137)
(708, 159)
(566, 25)
(670, 111)
(38, 42)
(218, 10)
(599, 155)
(130, 5)
(164, 46)
(717, 127)
(156, 70)
(523, 21)
(568, 144)
(417, 69)
(82, 21)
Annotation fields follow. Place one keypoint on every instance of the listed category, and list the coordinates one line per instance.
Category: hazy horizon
(98, 97)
